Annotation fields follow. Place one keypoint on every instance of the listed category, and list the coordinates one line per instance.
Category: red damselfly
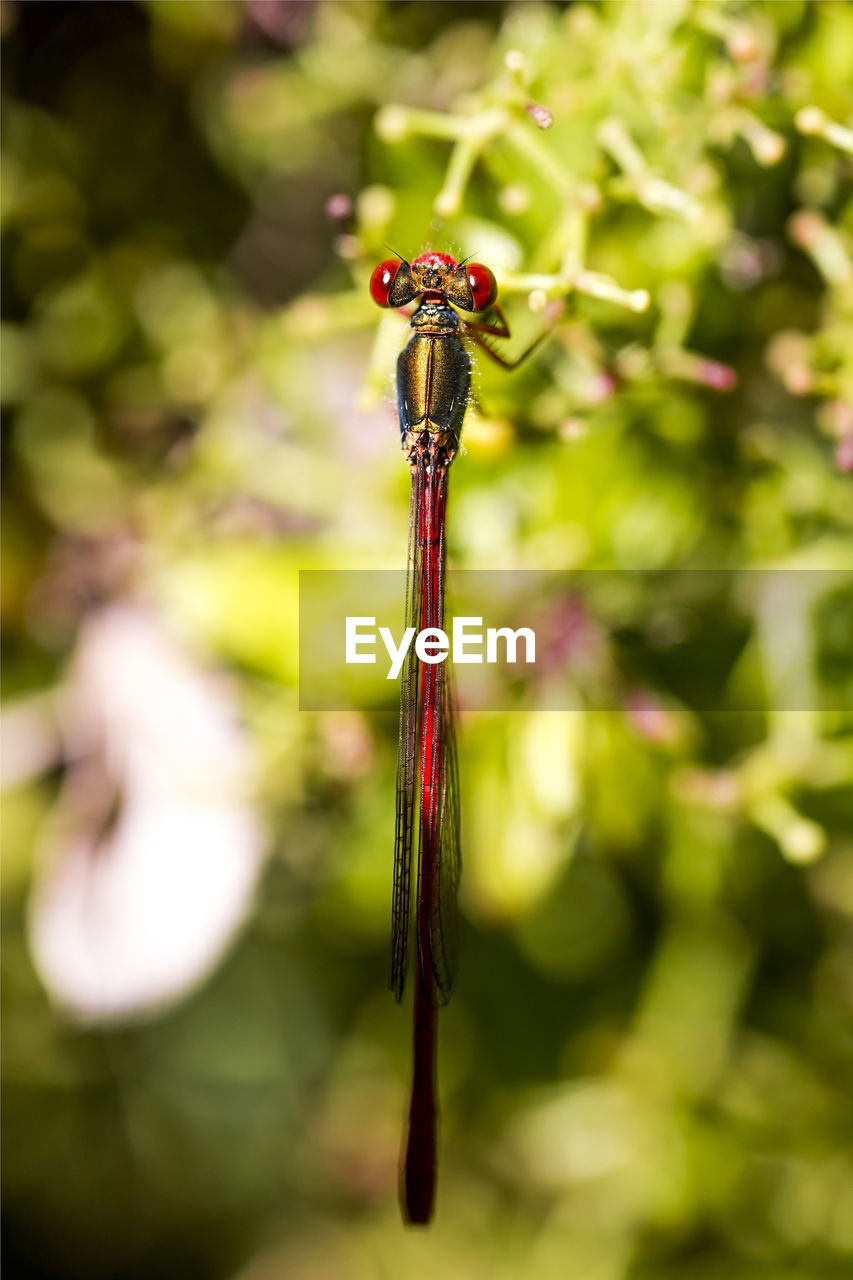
(433, 385)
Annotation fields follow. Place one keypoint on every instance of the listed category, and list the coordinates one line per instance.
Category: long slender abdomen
(421, 1161)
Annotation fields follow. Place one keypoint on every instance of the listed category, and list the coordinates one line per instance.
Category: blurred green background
(646, 1067)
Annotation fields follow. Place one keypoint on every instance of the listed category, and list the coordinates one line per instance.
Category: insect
(433, 385)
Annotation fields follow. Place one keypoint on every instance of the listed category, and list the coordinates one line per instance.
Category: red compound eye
(483, 284)
(382, 279)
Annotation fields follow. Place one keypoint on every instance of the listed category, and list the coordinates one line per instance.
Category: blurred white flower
(154, 851)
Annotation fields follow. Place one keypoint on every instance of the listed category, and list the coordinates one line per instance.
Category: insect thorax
(435, 317)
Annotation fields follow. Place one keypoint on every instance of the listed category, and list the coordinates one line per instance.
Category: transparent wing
(427, 771)
(447, 863)
(407, 754)
(438, 844)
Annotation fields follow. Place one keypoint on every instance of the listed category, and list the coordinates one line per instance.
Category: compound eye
(382, 279)
(484, 286)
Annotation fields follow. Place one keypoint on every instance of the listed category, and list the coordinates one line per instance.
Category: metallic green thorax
(433, 381)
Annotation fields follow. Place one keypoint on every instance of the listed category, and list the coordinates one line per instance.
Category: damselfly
(433, 385)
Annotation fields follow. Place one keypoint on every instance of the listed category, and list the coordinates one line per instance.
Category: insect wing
(442, 917)
(438, 835)
(407, 753)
